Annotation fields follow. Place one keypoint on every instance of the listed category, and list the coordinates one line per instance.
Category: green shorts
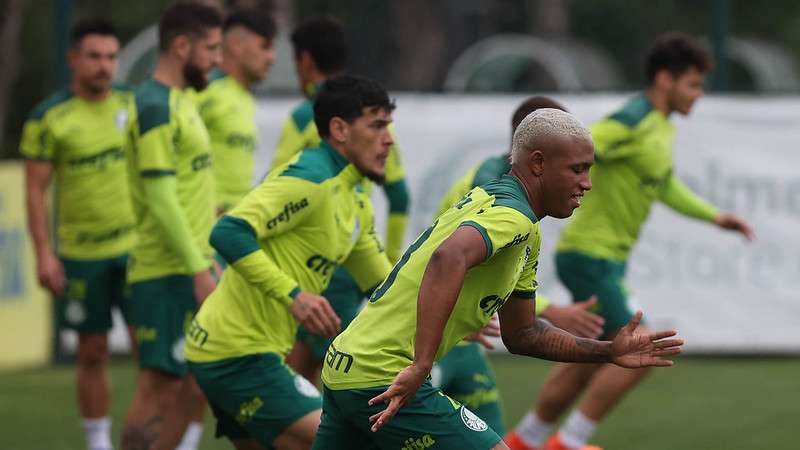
(585, 276)
(93, 288)
(430, 418)
(255, 396)
(465, 375)
(345, 297)
(162, 309)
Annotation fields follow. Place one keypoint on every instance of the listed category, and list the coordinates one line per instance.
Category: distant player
(634, 169)
(227, 105)
(169, 166)
(76, 135)
(320, 49)
(464, 374)
(477, 258)
(282, 243)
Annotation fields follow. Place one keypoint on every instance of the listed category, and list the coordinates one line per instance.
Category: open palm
(633, 350)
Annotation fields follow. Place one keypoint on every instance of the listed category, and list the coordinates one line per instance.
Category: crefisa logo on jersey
(121, 118)
(472, 421)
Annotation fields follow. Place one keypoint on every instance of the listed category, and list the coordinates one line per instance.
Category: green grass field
(700, 404)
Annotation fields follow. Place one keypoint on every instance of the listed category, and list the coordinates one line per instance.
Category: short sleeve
(500, 227)
(37, 141)
(612, 140)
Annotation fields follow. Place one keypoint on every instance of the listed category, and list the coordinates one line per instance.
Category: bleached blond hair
(542, 124)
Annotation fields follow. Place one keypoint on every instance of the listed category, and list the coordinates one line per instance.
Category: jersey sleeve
(527, 284)
(297, 134)
(500, 227)
(675, 194)
(37, 141)
(397, 195)
(612, 140)
(155, 149)
(368, 262)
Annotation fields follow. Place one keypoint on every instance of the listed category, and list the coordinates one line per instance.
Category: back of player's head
(192, 19)
(346, 96)
(324, 39)
(255, 21)
(676, 52)
(542, 125)
(92, 26)
(530, 105)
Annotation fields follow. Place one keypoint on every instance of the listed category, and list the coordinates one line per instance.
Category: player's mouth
(577, 199)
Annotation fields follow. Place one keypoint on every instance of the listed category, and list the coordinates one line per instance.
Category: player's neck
(231, 69)
(169, 71)
(532, 192)
(79, 90)
(659, 100)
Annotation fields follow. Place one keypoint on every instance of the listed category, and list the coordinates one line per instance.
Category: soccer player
(169, 167)
(227, 106)
(634, 169)
(464, 374)
(77, 135)
(282, 243)
(477, 258)
(320, 50)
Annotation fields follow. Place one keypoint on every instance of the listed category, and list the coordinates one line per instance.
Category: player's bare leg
(93, 389)
(300, 434)
(156, 397)
(246, 444)
(562, 387)
(194, 402)
(301, 360)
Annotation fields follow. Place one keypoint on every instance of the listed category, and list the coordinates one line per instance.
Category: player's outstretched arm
(524, 335)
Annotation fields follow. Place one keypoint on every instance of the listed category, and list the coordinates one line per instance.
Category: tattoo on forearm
(141, 437)
(544, 341)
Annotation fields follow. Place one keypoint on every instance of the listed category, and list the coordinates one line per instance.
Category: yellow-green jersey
(286, 236)
(83, 140)
(299, 133)
(228, 110)
(633, 168)
(379, 342)
(167, 138)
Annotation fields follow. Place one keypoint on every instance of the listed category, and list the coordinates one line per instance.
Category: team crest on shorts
(75, 313)
(177, 350)
(305, 387)
(472, 421)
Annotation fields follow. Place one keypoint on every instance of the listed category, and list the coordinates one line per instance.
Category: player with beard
(283, 242)
(77, 135)
(169, 168)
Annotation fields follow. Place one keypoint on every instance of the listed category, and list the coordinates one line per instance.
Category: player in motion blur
(77, 135)
(321, 51)
(477, 258)
(282, 243)
(633, 154)
(227, 105)
(169, 168)
(464, 374)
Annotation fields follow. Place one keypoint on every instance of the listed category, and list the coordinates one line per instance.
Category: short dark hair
(530, 105)
(186, 18)
(94, 25)
(676, 52)
(346, 96)
(256, 21)
(323, 38)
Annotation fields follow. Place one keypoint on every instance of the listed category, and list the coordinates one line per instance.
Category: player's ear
(182, 46)
(536, 162)
(339, 129)
(663, 79)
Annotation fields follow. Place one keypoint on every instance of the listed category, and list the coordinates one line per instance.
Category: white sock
(577, 430)
(98, 433)
(191, 438)
(533, 430)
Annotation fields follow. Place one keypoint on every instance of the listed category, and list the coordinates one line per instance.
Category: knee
(92, 351)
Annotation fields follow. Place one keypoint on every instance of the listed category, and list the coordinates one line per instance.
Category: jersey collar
(347, 172)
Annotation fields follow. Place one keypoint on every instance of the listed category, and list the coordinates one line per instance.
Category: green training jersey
(379, 342)
(287, 235)
(633, 168)
(83, 141)
(167, 138)
(228, 110)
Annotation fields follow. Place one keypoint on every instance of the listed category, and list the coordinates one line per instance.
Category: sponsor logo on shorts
(335, 359)
(288, 209)
(145, 334)
(248, 409)
(420, 443)
(472, 421)
(305, 387)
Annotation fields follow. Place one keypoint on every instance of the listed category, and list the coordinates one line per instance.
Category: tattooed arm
(523, 334)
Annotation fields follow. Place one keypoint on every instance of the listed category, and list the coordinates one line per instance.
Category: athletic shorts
(585, 276)
(345, 298)
(430, 418)
(163, 309)
(255, 396)
(464, 374)
(93, 288)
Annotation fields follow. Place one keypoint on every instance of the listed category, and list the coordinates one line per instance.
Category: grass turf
(700, 404)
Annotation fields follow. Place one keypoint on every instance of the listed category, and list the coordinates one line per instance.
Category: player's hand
(204, 284)
(403, 388)
(576, 318)
(632, 350)
(50, 273)
(482, 336)
(731, 222)
(316, 314)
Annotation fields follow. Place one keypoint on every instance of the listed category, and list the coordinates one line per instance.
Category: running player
(320, 49)
(282, 243)
(77, 135)
(634, 169)
(477, 258)
(227, 105)
(169, 167)
(464, 374)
